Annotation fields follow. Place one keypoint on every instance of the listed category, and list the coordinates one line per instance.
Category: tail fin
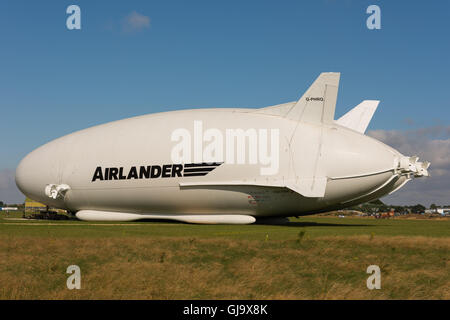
(317, 104)
(359, 117)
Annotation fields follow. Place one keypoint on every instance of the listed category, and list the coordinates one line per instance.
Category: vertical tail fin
(359, 117)
(318, 103)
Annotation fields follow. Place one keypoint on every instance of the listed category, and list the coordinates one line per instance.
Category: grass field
(309, 258)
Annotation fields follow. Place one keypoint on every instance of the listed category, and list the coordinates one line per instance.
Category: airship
(221, 165)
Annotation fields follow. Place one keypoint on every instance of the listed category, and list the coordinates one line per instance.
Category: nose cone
(35, 171)
(357, 155)
(359, 167)
(364, 169)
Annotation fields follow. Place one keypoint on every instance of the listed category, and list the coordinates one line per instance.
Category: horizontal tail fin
(359, 117)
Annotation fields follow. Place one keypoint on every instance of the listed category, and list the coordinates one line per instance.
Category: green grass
(313, 226)
(309, 258)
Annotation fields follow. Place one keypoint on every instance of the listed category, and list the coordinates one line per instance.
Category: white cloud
(135, 22)
(430, 144)
(9, 193)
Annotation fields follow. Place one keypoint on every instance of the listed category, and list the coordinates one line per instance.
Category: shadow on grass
(267, 222)
(285, 223)
(316, 224)
(166, 221)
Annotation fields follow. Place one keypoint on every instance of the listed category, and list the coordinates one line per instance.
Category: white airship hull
(127, 167)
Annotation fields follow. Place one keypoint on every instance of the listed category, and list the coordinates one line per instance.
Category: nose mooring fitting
(56, 191)
(411, 165)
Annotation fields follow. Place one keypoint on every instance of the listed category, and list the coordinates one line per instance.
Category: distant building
(8, 209)
(441, 211)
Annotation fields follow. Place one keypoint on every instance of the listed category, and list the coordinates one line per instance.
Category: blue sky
(185, 54)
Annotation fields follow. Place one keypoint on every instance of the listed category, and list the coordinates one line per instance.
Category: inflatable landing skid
(92, 215)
